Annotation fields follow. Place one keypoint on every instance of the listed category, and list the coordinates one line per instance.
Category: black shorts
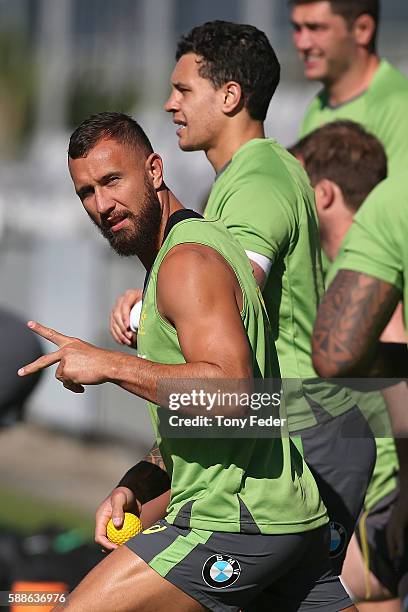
(341, 454)
(371, 537)
(227, 572)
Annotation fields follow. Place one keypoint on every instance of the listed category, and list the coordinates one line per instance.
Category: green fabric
(376, 243)
(265, 199)
(381, 109)
(374, 409)
(383, 480)
(268, 475)
(178, 550)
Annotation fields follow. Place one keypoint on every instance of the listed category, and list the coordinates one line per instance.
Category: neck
(355, 80)
(332, 239)
(169, 204)
(237, 133)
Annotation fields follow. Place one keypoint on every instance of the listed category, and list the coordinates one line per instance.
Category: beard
(141, 235)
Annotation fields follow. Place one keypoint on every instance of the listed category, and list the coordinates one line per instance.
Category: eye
(84, 194)
(112, 180)
(318, 27)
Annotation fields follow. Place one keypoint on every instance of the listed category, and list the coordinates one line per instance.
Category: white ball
(135, 316)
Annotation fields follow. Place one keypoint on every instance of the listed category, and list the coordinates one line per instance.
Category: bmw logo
(338, 537)
(220, 571)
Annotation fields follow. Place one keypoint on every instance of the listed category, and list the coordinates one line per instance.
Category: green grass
(27, 514)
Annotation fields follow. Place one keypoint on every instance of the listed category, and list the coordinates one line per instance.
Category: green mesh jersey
(381, 109)
(264, 198)
(374, 409)
(234, 485)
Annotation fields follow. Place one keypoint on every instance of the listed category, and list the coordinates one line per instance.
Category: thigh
(310, 584)
(341, 454)
(125, 583)
(357, 577)
(223, 571)
(371, 534)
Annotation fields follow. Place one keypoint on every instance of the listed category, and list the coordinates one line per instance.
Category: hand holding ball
(132, 525)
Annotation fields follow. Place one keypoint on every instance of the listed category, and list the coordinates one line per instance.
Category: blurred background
(61, 60)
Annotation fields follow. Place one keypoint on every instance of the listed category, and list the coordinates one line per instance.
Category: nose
(104, 204)
(172, 104)
(301, 38)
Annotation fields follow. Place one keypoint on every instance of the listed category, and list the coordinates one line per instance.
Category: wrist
(146, 481)
(114, 367)
(121, 368)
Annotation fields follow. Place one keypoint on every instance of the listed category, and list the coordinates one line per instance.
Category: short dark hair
(346, 154)
(235, 52)
(350, 10)
(118, 126)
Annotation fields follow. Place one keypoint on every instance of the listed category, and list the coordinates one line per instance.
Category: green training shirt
(258, 485)
(376, 243)
(381, 109)
(264, 198)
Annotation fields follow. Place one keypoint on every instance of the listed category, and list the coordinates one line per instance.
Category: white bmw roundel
(220, 571)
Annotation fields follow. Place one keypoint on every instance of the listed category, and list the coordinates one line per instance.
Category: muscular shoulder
(192, 256)
(189, 267)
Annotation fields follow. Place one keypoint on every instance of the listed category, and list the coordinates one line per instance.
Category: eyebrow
(179, 84)
(106, 177)
(308, 24)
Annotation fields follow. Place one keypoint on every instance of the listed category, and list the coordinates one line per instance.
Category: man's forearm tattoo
(154, 456)
(351, 317)
(148, 478)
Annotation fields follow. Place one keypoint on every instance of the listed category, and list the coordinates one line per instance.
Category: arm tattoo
(351, 317)
(154, 457)
(148, 478)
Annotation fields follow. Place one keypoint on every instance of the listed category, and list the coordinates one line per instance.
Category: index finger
(48, 333)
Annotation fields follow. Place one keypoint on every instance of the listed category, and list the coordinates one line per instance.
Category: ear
(324, 194)
(154, 170)
(364, 30)
(232, 96)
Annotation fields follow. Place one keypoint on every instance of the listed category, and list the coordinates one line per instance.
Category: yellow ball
(132, 525)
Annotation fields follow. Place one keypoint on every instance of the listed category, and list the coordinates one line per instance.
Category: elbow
(325, 368)
(237, 395)
(324, 364)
